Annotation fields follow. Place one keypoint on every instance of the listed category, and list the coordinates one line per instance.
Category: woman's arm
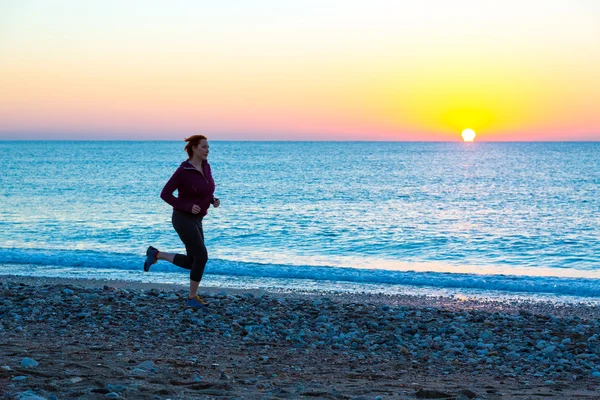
(167, 193)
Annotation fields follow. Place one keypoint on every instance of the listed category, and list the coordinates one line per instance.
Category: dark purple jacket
(192, 187)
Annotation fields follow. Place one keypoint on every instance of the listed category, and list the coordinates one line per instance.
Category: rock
(140, 371)
(548, 351)
(541, 344)
(30, 395)
(146, 365)
(19, 378)
(116, 388)
(29, 363)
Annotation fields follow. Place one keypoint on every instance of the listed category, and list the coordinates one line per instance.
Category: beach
(380, 199)
(94, 339)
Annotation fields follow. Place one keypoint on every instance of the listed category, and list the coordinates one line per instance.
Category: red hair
(193, 141)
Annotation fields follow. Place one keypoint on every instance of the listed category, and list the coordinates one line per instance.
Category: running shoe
(196, 301)
(151, 258)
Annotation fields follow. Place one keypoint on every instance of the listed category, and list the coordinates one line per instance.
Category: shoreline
(498, 287)
(98, 338)
(447, 302)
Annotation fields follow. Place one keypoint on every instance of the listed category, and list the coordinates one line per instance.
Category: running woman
(195, 193)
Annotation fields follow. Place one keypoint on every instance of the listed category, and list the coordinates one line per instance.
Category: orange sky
(266, 70)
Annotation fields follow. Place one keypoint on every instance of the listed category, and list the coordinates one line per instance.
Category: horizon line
(302, 141)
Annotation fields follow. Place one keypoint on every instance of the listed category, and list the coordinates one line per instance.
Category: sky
(512, 70)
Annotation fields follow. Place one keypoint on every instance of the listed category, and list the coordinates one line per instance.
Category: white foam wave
(94, 261)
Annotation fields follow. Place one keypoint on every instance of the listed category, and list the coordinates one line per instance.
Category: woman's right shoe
(151, 258)
(196, 301)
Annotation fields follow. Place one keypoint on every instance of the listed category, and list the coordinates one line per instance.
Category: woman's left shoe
(151, 258)
(196, 301)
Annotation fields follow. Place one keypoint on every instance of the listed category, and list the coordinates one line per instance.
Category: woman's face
(201, 151)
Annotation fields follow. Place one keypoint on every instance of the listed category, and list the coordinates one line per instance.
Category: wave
(93, 261)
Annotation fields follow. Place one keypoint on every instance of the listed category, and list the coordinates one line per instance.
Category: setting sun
(468, 135)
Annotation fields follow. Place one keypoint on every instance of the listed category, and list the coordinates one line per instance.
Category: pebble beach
(90, 339)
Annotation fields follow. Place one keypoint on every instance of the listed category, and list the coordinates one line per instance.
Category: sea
(469, 220)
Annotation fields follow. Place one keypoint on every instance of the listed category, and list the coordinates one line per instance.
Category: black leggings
(189, 229)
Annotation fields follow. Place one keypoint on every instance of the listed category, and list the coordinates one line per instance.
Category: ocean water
(491, 219)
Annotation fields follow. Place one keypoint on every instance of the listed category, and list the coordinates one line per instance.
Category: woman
(195, 186)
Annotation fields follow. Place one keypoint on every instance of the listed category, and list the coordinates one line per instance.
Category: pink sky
(349, 70)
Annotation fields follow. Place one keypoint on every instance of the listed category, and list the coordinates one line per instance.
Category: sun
(468, 135)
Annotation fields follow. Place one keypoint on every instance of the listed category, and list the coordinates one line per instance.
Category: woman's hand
(195, 209)
(216, 203)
